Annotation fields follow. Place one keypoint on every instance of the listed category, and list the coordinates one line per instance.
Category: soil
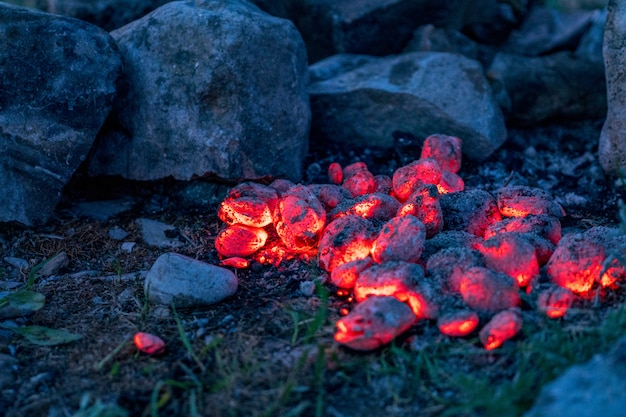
(268, 350)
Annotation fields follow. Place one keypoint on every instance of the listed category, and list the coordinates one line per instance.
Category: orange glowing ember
(345, 239)
(354, 168)
(374, 323)
(502, 327)
(424, 204)
(450, 183)
(330, 195)
(345, 275)
(401, 239)
(408, 178)
(458, 324)
(577, 263)
(402, 280)
(358, 179)
(511, 254)
(249, 204)
(615, 272)
(446, 150)
(274, 253)
(522, 201)
(299, 219)
(335, 173)
(544, 225)
(240, 241)
(487, 290)
(236, 262)
(149, 343)
(375, 206)
(555, 301)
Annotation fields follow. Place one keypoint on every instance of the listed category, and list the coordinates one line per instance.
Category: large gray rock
(612, 147)
(593, 389)
(213, 87)
(590, 45)
(420, 93)
(559, 86)
(372, 27)
(547, 30)
(187, 283)
(429, 38)
(337, 65)
(108, 14)
(57, 83)
(578, 4)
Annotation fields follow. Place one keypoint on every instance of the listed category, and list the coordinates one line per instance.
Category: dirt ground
(268, 350)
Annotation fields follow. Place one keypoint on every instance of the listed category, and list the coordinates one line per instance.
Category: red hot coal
(418, 246)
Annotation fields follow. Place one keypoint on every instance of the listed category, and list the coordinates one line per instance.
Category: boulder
(336, 65)
(559, 86)
(57, 83)
(504, 17)
(546, 30)
(429, 38)
(578, 4)
(418, 93)
(592, 389)
(372, 27)
(108, 14)
(212, 88)
(612, 146)
(590, 45)
(279, 8)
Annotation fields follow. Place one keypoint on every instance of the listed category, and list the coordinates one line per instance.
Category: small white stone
(307, 288)
(153, 233)
(128, 246)
(117, 233)
(18, 263)
(54, 264)
(187, 283)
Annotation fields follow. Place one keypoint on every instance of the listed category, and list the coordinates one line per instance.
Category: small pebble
(53, 265)
(128, 246)
(153, 233)
(149, 343)
(117, 233)
(307, 288)
(229, 318)
(18, 263)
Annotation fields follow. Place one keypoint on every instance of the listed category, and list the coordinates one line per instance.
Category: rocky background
(226, 90)
(95, 93)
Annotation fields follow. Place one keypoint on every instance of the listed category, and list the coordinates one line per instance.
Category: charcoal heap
(418, 246)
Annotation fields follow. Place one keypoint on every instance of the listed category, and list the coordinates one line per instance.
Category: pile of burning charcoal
(418, 246)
